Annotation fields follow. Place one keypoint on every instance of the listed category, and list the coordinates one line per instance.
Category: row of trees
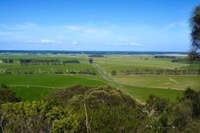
(58, 71)
(8, 61)
(47, 62)
(96, 55)
(164, 57)
(159, 72)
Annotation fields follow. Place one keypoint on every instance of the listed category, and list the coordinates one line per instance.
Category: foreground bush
(7, 95)
(81, 109)
(182, 116)
(76, 109)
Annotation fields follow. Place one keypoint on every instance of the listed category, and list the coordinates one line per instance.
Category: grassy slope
(142, 93)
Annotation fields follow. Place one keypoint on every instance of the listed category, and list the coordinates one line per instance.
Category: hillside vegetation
(81, 109)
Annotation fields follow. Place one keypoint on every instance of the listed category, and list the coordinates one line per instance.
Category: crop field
(32, 81)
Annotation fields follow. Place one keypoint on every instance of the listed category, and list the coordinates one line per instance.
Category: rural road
(102, 73)
(114, 82)
(128, 84)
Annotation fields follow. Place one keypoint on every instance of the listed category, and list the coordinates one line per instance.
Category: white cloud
(4, 26)
(50, 42)
(182, 24)
(134, 44)
(125, 44)
(75, 43)
(25, 26)
(6, 33)
(44, 42)
(130, 44)
(73, 28)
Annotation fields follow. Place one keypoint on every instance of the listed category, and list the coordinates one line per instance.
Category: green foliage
(24, 117)
(181, 116)
(3, 85)
(157, 104)
(77, 109)
(7, 95)
(194, 97)
(114, 72)
(195, 24)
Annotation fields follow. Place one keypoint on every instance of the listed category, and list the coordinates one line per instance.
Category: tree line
(52, 71)
(47, 62)
(157, 72)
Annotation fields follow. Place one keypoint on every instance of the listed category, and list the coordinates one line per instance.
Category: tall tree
(195, 24)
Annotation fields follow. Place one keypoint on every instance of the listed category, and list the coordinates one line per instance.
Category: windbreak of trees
(160, 72)
(8, 61)
(52, 71)
(96, 55)
(164, 57)
(47, 62)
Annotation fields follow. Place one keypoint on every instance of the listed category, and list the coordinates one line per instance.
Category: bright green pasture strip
(143, 93)
(161, 81)
(31, 93)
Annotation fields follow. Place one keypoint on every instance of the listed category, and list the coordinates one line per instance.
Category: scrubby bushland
(105, 110)
(7, 95)
(76, 109)
(81, 109)
(182, 116)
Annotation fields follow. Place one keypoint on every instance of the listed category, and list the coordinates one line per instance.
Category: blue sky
(133, 25)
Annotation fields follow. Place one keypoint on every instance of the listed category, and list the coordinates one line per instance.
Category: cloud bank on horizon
(101, 25)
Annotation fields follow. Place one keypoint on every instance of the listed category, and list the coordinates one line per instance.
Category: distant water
(87, 52)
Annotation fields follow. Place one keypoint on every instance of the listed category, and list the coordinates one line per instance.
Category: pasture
(33, 87)
(35, 81)
(127, 65)
(32, 82)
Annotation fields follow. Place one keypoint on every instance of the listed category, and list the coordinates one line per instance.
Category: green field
(142, 93)
(37, 85)
(141, 62)
(33, 87)
(179, 82)
(84, 64)
(132, 62)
